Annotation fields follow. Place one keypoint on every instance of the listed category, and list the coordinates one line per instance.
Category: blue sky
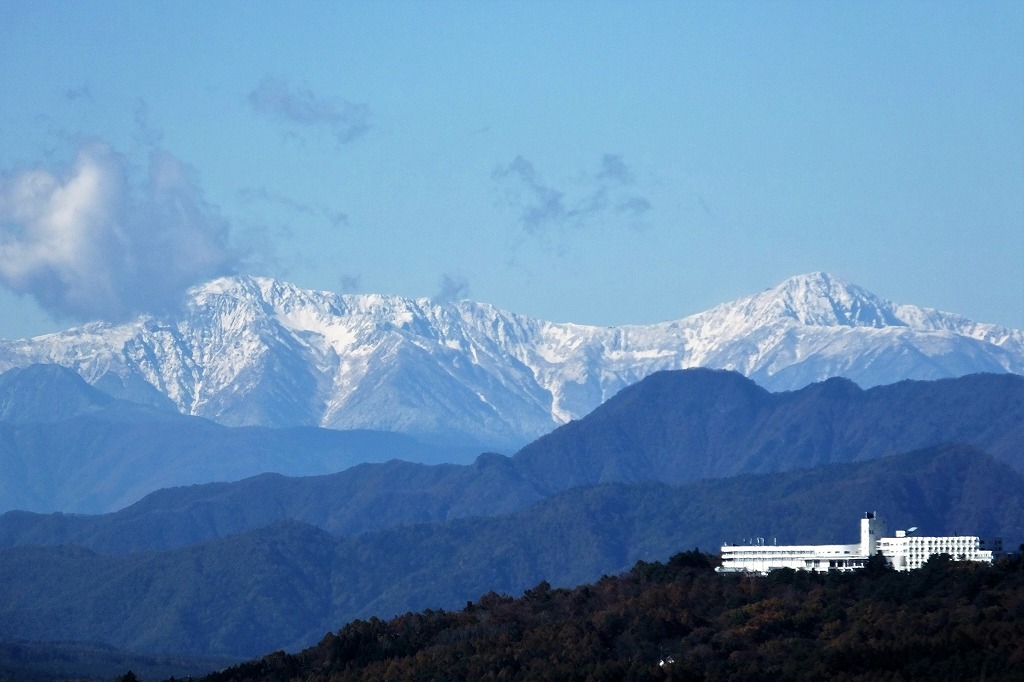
(602, 163)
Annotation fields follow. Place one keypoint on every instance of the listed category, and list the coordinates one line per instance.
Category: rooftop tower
(871, 529)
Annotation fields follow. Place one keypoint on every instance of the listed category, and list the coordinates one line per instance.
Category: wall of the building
(911, 552)
(872, 529)
(764, 558)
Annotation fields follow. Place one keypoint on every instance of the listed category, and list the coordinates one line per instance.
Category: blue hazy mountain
(67, 446)
(284, 585)
(671, 427)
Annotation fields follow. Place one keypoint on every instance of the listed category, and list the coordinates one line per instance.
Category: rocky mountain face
(256, 351)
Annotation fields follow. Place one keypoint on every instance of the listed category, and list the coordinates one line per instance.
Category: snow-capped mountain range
(250, 350)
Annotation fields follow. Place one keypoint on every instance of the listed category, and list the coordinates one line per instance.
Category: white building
(907, 552)
(764, 558)
(904, 552)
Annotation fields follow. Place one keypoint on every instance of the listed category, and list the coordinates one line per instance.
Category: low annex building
(904, 552)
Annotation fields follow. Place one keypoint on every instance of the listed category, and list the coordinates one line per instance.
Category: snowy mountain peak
(254, 350)
(821, 299)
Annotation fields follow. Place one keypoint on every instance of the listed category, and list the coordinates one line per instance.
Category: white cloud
(86, 243)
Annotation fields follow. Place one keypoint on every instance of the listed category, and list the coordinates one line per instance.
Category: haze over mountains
(671, 427)
(255, 351)
(66, 446)
(679, 459)
(285, 584)
(243, 568)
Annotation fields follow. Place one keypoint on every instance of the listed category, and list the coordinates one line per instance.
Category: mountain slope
(364, 498)
(47, 393)
(671, 427)
(286, 584)
(105, 459)
(253, 351)
(694, 424)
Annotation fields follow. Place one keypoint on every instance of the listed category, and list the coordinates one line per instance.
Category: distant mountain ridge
(241, 568)
(49, 394)
(256, 351)
(67, 446)
(672, 427)
(284, 585)
(700, 424)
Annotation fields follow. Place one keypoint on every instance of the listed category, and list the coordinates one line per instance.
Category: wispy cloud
(542, 207)
(314, 210)
(86, 242)
(538, 203)
(145, 133)
(453, 288)
(614, 169)
(634, 206)
(83, 93)
(300, 106)
(349, 284)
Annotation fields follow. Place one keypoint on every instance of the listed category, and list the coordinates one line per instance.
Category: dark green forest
(679, 620)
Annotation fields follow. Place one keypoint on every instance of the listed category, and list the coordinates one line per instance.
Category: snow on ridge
(261, 351)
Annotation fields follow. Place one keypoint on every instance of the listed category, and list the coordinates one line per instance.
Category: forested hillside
(681, 621)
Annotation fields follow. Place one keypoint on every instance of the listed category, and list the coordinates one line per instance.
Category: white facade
(907, 552)
(872, 529)
(764, 558)
(904, 552)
